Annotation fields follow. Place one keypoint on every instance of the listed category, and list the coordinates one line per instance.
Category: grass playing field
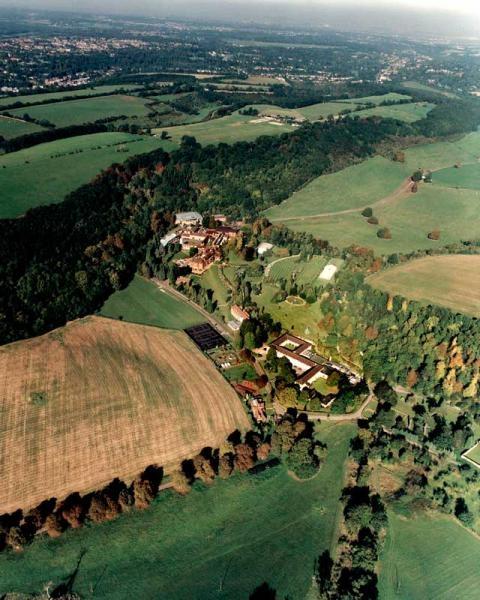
(451, 281)
(143, 302)
(11, 128)
(403, 112)
(45, 173)
(304, 272)
(76, 112)
(116, 397)
(93, 91)
(429, 556)
(221, 542)
(230, 129)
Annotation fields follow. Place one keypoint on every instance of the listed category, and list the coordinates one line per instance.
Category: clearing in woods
(100, 399)
(87, 110)
(452, 281)
(428, 556)
(145, 303)
(218, 542)
(46, 173)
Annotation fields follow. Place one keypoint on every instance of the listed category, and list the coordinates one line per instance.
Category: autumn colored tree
(244, 457)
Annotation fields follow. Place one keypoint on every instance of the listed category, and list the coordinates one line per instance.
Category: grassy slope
(95, 91)
(451, 281)
(143, 302)
(416, 86)
(33, 178)
(377, 99)
(234, 535)
(76, 112)
(353, 187)
(429, 557)
(230, 129)
(467, 176)
(403, 112)
(10, 128)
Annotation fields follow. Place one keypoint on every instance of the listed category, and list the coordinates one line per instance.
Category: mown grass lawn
(144, 303)
(44, 174)
(429, 556)
(220, 542)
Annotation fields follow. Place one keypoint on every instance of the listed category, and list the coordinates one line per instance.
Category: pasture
(389, 97)
(352, 188)
(45, 173)
(218, 542)
(45, 97)
(11, 128)
(403, 112)
(452, 281)
(465, 176)
(87, 110)
(116, 397)
(416, 86)
(429, 556)
(144, 303)
(230, 129)
(329, 207)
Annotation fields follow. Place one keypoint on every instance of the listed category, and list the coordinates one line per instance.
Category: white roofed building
(188, 218)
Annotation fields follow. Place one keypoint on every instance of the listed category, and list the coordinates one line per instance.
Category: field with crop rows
(100, 399)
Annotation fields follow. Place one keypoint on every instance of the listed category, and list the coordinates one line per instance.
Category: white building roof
(264, 247)
(328, 272)
(166, 239)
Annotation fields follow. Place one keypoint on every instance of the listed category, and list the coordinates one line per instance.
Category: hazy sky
(455, 17)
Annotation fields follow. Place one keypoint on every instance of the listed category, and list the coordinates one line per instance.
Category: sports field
(302, 271)
(44, 174)
(93, 91)
(11, 128)
(88, 110)
(429, 556)
(230, 129)
(100, 399)
(220, 542)
(452, 281)
(351, 188)
(466, 176)
(403, 112)
(143, 302)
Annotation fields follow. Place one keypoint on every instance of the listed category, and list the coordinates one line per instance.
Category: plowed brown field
(100, 399)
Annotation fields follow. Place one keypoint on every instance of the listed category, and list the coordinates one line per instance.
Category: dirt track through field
(100, 399)
(395, 196)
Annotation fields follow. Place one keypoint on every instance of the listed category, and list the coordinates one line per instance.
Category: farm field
(11, 128)
(421, 87)
(452, 281)
(352, 188)
(188, 547)
(76, 112)
(317, 208)
(93, 91)
(100, 399)
(390, 97)
(144, 303)
(428, 556)
(466, 176)
(410, 219)
(403, 112)
(44, 174)
(230, 129)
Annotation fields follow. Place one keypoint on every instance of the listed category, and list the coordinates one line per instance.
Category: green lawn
(403, 112)
(230, 129)
(466, 176)
(239, 372)
(421, 87)
(93, 91)
(216, 543)
(45, 173)
(11, 128)
(305, 272)
(76, 112)
(429, 557)
(474, 454)
(391, 96)
(143, 302)
(354, 187)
